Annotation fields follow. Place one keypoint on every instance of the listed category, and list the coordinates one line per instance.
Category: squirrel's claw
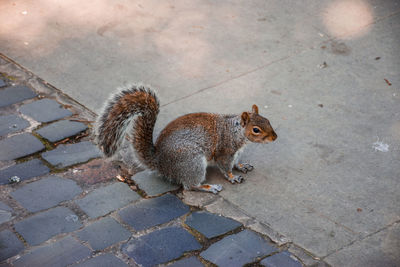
(244, 167)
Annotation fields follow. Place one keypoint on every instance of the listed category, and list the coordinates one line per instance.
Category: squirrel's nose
(272, 137)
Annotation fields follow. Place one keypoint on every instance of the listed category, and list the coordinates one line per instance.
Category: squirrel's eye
(256, 130)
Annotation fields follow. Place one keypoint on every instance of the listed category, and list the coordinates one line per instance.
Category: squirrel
(186, 145)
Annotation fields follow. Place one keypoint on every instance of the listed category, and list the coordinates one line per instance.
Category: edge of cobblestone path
(18, 72)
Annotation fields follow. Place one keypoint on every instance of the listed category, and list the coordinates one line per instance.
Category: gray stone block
(151, 212)
(10, 245)
(5, 213)
(281, 259)
(12, 95)
(24, 171)
(46, 193)
(106, 199)
(2, 83)
(238, 249)
(45, 110)
(66, 155)
(211, 225)
(58, 254)
(192, 262)
(42, 226)
(61, 129)
(152, 183)
(19, 146)
(104, 260)
(103, 233)
(160, 246)
(12, 123)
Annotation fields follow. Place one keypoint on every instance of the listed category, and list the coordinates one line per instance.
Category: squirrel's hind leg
(194, 174)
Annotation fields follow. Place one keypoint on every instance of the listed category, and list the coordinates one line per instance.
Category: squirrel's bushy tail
(119, 111)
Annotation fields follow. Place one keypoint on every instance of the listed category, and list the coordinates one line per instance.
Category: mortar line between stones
(361, 239)
(254, 219)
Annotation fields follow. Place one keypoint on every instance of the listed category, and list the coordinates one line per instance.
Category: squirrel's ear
(245, 119)
(255, 109)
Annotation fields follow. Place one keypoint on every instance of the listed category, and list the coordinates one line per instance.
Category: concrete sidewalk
(326, 74)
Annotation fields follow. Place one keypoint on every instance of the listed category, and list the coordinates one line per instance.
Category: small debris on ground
(72, 218)
(120, 178)
(377, 58)
(323, 65)
(133, 187)
(359, 210)
(14, 180)
(387, 81)
(320, 105)
(380, 146)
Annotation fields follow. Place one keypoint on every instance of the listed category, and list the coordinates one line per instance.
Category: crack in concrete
(362, 239)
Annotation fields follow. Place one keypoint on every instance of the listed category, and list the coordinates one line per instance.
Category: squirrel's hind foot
(212, 188)
(244, 167)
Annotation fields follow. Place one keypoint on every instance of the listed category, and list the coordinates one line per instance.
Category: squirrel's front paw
(234, 178)
(244, 167)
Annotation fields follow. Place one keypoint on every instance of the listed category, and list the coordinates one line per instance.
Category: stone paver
(2, 83)
(58, 254)
(19, 146)
(152, 183)
(66, 155)
(61, 129)
(46, 193)
(45, 110)
(151, 212)
(192, 262)
(237, 250)
(5, 213)
(106, 199)
(103, 233)
(160, 246)
(104, 260)
(12, 123)
(24, 171)
(42, 226)
(211, 225)
(12, 95)
(10, 245)
(281, 259)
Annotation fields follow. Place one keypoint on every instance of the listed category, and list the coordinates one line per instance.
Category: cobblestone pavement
(61, 204)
